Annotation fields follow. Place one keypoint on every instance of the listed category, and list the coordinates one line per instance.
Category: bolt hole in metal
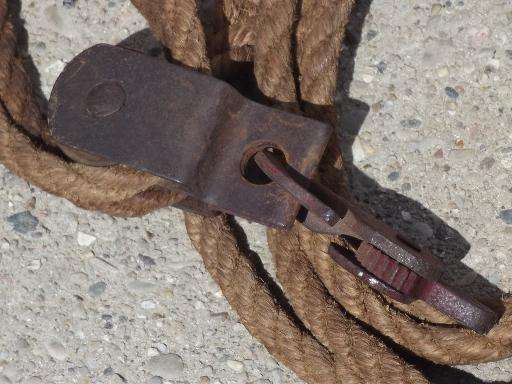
(250, 169)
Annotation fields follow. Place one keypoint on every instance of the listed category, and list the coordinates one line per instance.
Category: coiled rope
(294, 46)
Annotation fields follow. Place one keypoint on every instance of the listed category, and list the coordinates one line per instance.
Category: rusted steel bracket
(229, 154)
(196, 132)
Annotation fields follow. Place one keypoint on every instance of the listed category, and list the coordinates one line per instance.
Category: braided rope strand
(359, 356)
(256, 306)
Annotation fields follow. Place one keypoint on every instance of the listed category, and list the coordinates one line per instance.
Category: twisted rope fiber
(359, 357)
(274, 72)
(258, 310)
(336, 349)
(242, 16)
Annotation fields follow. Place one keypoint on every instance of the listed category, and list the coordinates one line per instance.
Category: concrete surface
(87, 298)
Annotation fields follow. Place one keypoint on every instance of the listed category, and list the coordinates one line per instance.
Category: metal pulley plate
(191, 129)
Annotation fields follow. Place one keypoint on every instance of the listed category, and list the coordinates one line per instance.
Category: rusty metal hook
(382, 258)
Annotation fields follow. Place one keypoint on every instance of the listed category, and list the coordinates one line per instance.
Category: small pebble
(235, 365)
(85, 239)
(69, 3)
(162, 348)
(78, 278)
(207, 370)
(372, 34)
(435, 9)
(443, 72)
(166, 366)
(492, 66)
(146, 261)
(381, 67)
(22, 344)
(506, 216)
(108, 371)
(451, 107)
(78, 311)
(23, 222)
(5, 244)
(394, 176)
(410, 123)
(204, 380)
(367, 78)
(148, 304)
(108, 325)
(97, 289)
(451, 92)
(56, 350)
(358, 152)
(487, 163)
(376, 107)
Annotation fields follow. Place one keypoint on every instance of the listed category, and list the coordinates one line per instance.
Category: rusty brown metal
(381, 257)
(193, 130)
(229, 154)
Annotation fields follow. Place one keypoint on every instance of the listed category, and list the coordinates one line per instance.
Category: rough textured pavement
(426, 127)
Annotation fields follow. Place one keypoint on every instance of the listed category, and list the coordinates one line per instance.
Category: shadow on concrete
(388, 204)
(28, 63)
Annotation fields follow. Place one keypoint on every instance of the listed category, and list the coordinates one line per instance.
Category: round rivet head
(105, 98)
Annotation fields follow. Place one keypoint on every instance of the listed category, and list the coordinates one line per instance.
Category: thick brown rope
(242, 16)
(177, 23)
(274, 72)
(359, 357)
(257, 307)
(292, 43)
(320, 32)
